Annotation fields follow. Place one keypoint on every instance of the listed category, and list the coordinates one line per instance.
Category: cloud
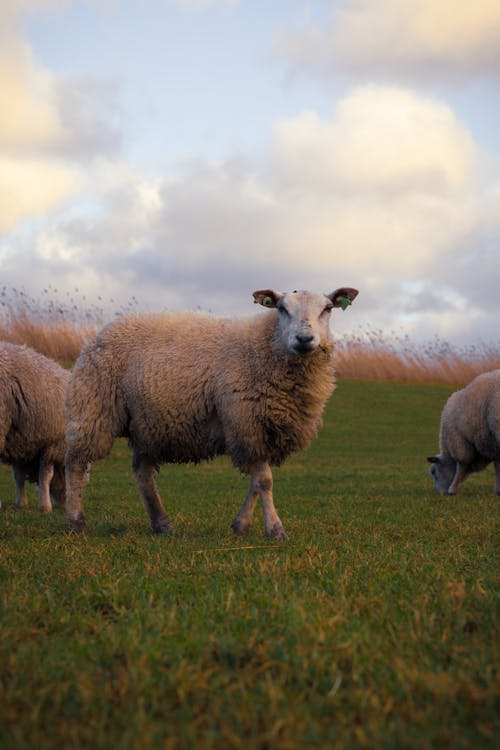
(31, 187)
(387, 194)
(49, 127)
(381, 138)
(400, 38)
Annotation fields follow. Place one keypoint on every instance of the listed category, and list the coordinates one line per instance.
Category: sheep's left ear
(267, 297)
(339, 296)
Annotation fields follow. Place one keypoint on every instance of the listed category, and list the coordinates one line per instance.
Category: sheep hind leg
(77, 476)
(19, 480)
(144, 471)
(262, 483)
(45, 475)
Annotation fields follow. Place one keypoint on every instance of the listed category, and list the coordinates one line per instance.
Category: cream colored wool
(469, 436)
(32, 422)
(186, 387)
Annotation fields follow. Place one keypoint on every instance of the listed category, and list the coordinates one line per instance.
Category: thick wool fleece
(470, 423)
(32, 419)
(186, 387)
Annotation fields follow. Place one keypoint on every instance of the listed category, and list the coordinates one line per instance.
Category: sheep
(469, 437)
(32, 423)
(183, 387)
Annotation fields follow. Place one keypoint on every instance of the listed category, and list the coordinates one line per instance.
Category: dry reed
(59, 331)
(371, 355)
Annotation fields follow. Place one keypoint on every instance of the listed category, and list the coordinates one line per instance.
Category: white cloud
(31, 187)
(48, 128)
(384, 195)
(382, 138)
(400, 37)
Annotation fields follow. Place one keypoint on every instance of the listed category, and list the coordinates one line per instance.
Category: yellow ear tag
(267, 301)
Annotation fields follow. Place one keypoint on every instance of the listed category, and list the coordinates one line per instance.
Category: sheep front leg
(497, 477)
(77, 476)
(460, 474)
(144, 471)
(19, 479)
(261, 483)
(243, 520)
(45, 474)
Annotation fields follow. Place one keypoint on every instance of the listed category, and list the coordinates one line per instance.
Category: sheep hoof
(277, 532)
(76, 525)
(45, 508)
(240, 528)
(162, 525)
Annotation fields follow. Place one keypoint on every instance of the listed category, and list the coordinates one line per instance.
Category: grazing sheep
(469, 436)
(32, 422)
(185, 387)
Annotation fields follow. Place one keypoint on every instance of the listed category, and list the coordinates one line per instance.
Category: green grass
(373, 626)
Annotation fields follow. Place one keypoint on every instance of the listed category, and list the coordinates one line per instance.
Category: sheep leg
(144, 471)
(243, 520)
(460, 474)
(497, 477)
(45, 475)
(261, 482)
(19, 479)
(77, 476)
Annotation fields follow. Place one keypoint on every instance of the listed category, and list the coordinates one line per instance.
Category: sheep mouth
(303, 349)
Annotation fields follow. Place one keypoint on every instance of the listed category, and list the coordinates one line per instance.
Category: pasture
(374, 626)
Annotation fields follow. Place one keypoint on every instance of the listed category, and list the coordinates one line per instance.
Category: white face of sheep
(304, 317)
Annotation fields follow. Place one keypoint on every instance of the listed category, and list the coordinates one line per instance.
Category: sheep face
(442, 469)
(304, 317)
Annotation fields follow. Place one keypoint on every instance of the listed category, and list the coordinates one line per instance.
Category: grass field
(374, 626)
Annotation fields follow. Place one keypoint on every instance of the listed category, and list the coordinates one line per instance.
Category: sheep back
(470, 422)
(32, 392)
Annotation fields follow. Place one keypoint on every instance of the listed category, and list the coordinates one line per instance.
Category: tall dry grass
(60, 329)
(373, 355)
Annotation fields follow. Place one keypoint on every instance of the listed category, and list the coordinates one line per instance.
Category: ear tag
(267, 302)
(344, 302)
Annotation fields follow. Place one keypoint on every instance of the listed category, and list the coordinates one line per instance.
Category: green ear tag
(344, 302)
(267, 302)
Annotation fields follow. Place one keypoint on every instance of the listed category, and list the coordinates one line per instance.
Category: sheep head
(304, 317)
(443, 470)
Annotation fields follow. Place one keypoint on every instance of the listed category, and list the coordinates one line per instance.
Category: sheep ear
(339, 296)
(433, 459)
(267, 297)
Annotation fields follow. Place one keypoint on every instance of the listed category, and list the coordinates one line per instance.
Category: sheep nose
(304, 338)
(304, 343)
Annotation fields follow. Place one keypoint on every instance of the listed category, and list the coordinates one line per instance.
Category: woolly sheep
(32, 422)
(469, 436)
(188, 386)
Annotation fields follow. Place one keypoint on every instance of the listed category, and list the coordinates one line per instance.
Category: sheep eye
(283, 309)
(327, 310)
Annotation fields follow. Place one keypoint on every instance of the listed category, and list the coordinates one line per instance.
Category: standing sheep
(185, 387)
(32, 422)
(469, 436)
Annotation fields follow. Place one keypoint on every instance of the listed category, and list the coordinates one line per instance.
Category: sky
(183, 153)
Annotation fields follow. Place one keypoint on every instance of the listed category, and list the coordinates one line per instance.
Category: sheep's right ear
(267, 297)
(433, 459)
